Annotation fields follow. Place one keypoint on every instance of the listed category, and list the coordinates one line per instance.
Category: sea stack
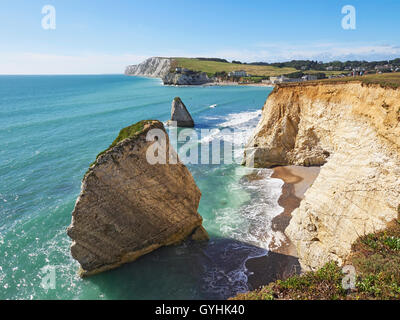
(129, 207)
(180, 114)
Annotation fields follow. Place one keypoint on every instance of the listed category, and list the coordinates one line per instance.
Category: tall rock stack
(128, 207)
(180, 116)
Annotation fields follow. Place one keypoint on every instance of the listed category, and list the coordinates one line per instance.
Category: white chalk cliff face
(153, 67)
(161, 68)
(179, 79)
(353, 131)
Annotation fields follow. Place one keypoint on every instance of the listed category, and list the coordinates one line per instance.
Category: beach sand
(281, 261)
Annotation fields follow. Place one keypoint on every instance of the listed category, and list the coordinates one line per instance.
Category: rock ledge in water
(128, 207)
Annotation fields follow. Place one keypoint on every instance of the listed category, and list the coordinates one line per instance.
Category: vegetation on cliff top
(376, 258)
(127, 132)
(212, 66)
(386, 80)
(130, 131)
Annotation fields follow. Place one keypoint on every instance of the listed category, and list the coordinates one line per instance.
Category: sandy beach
(297, 180)
(281, 261)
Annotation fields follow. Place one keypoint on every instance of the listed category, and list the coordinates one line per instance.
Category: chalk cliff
(153, 67)
(350, 129)
(129, 207)
(188, 78)
(162, 68)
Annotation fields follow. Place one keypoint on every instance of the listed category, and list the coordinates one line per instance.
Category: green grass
(385, 80)
(127, 132)
(391, 80)
(376, 258)
(211, 67)
(322, 284)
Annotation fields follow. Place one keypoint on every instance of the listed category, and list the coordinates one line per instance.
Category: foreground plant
(376, 258)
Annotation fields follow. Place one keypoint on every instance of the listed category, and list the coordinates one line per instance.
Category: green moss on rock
(130, 132)
(125, 133)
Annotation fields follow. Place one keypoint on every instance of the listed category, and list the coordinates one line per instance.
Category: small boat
(213, 106)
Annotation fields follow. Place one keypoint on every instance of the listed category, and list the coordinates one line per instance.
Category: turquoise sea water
(52, 128)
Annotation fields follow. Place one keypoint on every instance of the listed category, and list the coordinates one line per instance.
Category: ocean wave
(235, 128)
(236, 120)
(252, 222)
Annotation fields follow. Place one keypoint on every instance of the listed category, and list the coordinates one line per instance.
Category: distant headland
(216, 71)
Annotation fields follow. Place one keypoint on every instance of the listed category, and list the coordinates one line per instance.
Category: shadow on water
(218, 269)
(271, 267)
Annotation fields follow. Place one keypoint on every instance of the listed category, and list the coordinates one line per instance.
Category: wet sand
(297, 180)
(281, 261)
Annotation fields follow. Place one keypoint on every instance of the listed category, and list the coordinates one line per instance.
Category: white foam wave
(236, 129)
(241, 118)
(252, 222)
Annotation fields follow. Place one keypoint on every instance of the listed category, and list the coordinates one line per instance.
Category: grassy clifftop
(127, 132)
(376, 258)
(386, 80)
(211, 67)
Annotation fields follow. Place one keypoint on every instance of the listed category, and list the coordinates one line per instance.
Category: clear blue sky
(102, 36)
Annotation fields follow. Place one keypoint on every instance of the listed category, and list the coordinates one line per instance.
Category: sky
(104, 36)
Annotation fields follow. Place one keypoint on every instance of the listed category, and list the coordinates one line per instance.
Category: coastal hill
(214, 66)
(193, 71)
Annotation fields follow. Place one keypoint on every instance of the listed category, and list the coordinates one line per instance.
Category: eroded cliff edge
(164, 68)
(129, 207)
(155, 67)
(351, 130)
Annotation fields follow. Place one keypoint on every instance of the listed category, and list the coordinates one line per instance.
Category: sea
(52, 128)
